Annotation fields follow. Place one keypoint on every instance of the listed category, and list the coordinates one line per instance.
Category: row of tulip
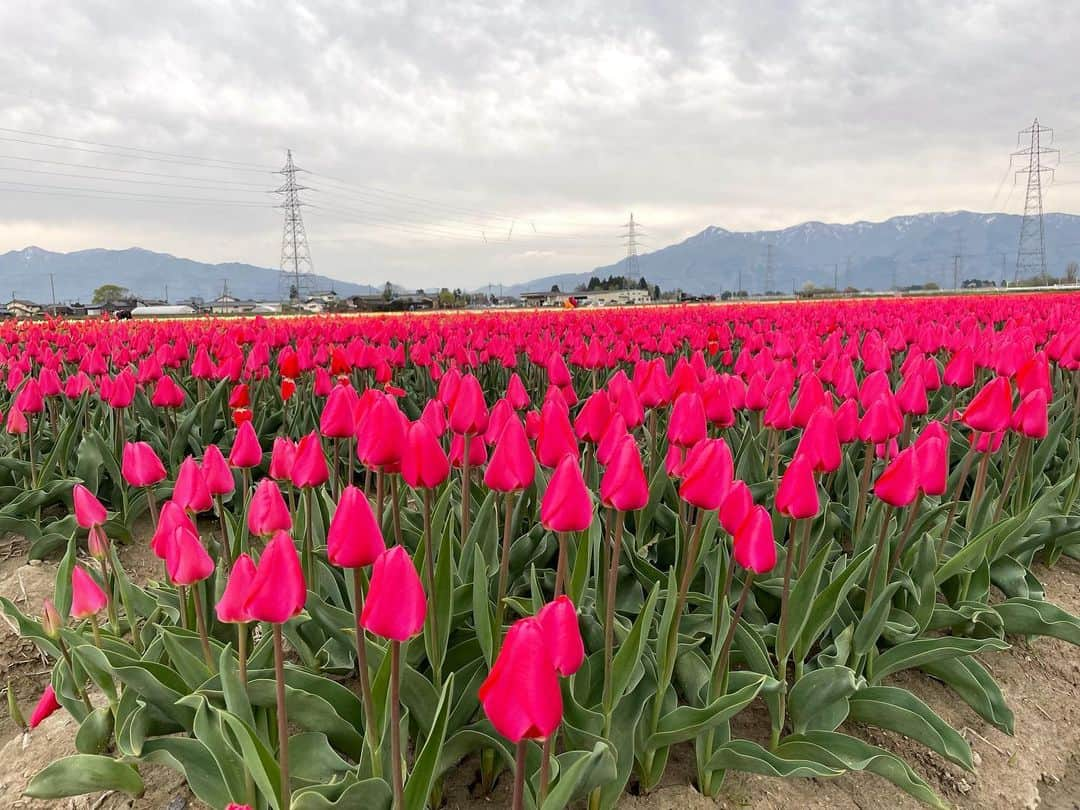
(711, 510)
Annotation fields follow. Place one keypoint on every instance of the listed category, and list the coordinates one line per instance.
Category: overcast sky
(464, 143)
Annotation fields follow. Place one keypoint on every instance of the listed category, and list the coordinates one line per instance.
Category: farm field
(749, 555)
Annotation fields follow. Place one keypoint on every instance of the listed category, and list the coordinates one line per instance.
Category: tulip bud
(277, 591)
(46, 705)
(13, 708)
(51, 622)
(566, 505)
(521, 695)
(395, 607)
(87, 598)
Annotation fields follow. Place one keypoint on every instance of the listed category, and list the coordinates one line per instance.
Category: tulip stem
(879, 547)
(96, 630)
(241, 650)
(721, 671)
(245, 482)
(652, 442)
(282, 717)
(395, 724)
(504, 574)
(965, 469)
(30, 451)
(79, 688)
(395, 508)
(429, 571)
(466, 494)
(380, 497)
(109, 602)
(182, 594)
(864, 486)
(781, 630)
(151, 504)
(365, 677)
(609, 619)
(561, 565)
(518, 800)
(545, 768)
(309, 551)
(913, 512)
(200, 621)
(980, 487)
(226, 552)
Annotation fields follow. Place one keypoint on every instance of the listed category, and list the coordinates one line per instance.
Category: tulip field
(552, 550)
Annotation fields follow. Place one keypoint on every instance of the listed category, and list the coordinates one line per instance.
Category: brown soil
(1035, 769)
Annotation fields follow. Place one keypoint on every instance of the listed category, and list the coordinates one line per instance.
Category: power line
(212, 180)
(132, 148)
(115, 179)
(128, 194)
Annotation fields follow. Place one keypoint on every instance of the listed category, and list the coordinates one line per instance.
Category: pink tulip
(512, 466)
(46, 705)
(566, 505)
(395, 606)
(186, 560)
(216, 472)
(191, 492)
(87, 598)
(898, 484)
(521, 695)
(707, 474)
(231, 606)
(424, 464)
(623, 485)
(245, 451)
(88, 509)
(354, 539)
(277, 591)
(141, 466)
(559, 623)
(268, 513)
(755, 549)
(309, 469)
(797, 495)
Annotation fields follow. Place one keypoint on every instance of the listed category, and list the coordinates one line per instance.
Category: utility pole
(835, 277)
(296, 267)
(958, 258)
(847, 272)
(770, 281)
(1031, 253)
(52, 286)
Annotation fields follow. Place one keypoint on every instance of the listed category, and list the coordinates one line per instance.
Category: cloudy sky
(464, 143)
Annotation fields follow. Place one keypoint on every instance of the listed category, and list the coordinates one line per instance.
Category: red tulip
(239, 397)
(559, 623)
(477, 451)
(88, 509)
(354, 539)
(336, 420)
(614, 434)
(216, 472)
(288, 388)
(186, 560)
(468, 412)
(277, 591)
(87, 598)
(623, 485)
(246, 451)
(172, 516)
(707, 474)
(309, 469)
(736, 506)
(990, 410)
(960, 370)
(566, 505)
(556, 438)
(755, 549)
(512, 466)
(140, 465)
(381, 434)
(820, 441)
(282, 458)
(268, 513)
(687, 426)
(230, 607)
(810, 399)
(898, 484)
(424, 464)
(30, 398)
(521, 695)
(1031, 419)
(932, 461)
(797, 495)
(593, 418)
(46, 705)
(190, 491)
(395, 606)
(16, 422)
(168, 394)
(516, 394)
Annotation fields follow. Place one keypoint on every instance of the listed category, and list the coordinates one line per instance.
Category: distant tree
(555, 288)
(725, 295)
(294, 293)
(656, 292)
(388, 291)
(110, 292)
(642, 283)
(1071, 272)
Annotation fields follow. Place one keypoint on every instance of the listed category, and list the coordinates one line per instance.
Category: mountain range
(26, 274)
(901, 251)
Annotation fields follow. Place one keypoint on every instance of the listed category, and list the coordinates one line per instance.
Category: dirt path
(1038, 768)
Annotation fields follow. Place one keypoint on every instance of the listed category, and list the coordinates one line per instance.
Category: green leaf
(579, 773)
(423, 774)
(632, 648)
(802, 596)
(749, 757)
(686, 722)
(481, 608)
(841, 751)
(900, 711)
(312, 759)
(923, 650)
(827, 603)
(192, 760)
(970, 680)
(1036, 617)
(819, 699)
(94, 732)
(869, 628)
(369, 794)
(257, 760)
(84, 773)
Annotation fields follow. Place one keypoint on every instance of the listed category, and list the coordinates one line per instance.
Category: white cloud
(740, 115)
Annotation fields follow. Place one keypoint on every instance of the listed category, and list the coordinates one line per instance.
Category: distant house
(596, 298)
(21, 308)
(227, 304)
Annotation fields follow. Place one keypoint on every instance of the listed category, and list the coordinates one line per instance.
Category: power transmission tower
(632, 230)
(297, 271)
(770, 281)
(1031, 253)
(847, 272)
